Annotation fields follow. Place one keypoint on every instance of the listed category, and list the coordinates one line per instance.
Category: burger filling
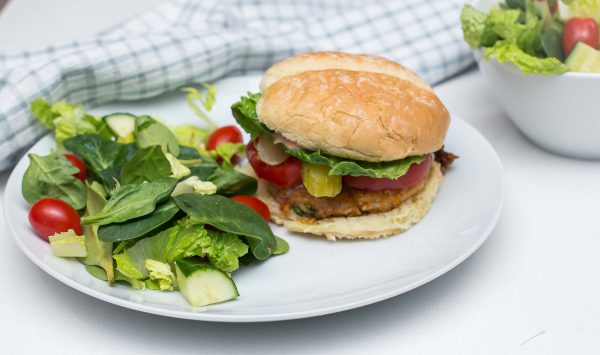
(316, 195)
(314, 185)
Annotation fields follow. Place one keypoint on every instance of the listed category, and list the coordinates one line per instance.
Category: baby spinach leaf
(138, 227)
(132, 201)
(52, 176)
(281, 246)
(188, 153)
(232, 217)
(202, 166)
(99, 252)
(149, 131)
(147, 164)
(103, 157)
(231, 182)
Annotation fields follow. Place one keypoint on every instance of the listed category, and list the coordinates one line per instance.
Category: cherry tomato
(580, 30)
(229, 134)
(51, 215)
(257, 205)
(78, 163)
(286, 174)
(415, 173)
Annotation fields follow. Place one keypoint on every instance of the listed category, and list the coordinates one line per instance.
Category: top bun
(352, 106)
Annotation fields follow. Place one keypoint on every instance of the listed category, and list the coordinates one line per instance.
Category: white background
(534, 286)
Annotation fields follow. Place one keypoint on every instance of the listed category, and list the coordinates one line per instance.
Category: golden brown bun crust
(338, 60)
(355, 114)
(362, 227)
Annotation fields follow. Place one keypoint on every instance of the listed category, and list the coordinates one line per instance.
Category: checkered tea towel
(187, 41)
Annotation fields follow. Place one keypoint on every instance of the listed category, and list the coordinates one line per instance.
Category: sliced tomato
(79, 164)
(415, 174)
(50, 215)
(257, 205)
(286, 174)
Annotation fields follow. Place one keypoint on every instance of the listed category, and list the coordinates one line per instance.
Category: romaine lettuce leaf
(67, 120)
(244, 112)
(225, 250)
(506, 51)
(181, 241)
(390, 170)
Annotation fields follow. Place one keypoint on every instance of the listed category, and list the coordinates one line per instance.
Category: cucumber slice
(202, 284)
(122, 124)
(584, 58)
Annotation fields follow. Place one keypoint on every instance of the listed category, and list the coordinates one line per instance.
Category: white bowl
(560, 113)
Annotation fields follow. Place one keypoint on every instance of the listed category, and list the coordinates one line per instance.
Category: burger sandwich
(345, 145)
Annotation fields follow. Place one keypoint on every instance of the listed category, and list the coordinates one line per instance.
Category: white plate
(316, 276)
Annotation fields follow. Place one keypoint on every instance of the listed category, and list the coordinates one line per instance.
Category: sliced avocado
(68, 245)
(584, 58)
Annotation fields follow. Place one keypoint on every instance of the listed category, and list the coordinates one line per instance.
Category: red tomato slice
(79, 164)
(51, 215)
(580, 30)
(415, 173)
(257, 205)
(225, 134)
(286, 174)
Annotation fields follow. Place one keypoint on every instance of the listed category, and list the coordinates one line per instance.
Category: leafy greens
(244, 112)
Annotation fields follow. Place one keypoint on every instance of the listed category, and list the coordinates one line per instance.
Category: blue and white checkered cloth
(188, 41)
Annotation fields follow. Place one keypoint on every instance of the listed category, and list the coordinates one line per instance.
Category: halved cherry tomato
(286, 174)
(225, 134)
(51, 215)
(78, 163)
(260, 207)
(415, 173)
(580, 30)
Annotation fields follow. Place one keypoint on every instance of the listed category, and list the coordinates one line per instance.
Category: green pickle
(318, 182)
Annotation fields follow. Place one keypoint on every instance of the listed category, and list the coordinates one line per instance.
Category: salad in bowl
(541, 60)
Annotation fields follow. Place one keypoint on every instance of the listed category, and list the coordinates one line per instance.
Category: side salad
(148, 205)
(538, 36)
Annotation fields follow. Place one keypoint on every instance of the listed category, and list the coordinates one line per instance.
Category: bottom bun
(369, 226)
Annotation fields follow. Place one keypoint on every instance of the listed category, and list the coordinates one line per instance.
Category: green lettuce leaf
(244, 112)
(206, 102)
(186, 239)
(390, 170)
(505, 51)
(190, 135)
(167, 246)
(226, 151)
(161, 274)
(224, 250)
(68, 120)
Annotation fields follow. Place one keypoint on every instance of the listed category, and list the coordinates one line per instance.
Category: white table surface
(533, 287)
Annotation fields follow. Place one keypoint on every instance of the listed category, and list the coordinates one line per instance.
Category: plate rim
(245, 318)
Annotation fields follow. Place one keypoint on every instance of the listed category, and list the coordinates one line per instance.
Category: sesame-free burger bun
(352, 106)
